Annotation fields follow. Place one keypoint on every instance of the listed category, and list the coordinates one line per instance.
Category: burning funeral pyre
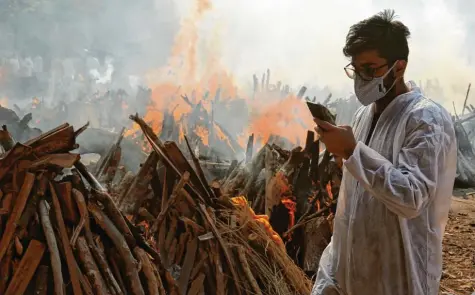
(166, 229)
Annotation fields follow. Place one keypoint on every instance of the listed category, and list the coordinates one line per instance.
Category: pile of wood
(62, 231)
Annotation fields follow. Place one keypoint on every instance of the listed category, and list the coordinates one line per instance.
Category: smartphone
(317, 110)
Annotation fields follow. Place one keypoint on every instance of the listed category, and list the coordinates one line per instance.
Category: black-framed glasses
(366, 73)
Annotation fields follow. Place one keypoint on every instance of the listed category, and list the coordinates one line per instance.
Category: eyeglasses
(366, 73)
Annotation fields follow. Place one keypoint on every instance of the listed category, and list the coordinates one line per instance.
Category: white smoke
(301, 41)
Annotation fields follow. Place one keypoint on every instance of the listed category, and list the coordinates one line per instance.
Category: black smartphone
(317, 110)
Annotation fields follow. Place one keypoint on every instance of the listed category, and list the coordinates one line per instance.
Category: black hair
(379, 32)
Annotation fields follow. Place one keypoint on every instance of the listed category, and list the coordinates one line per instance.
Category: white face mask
(368, 92)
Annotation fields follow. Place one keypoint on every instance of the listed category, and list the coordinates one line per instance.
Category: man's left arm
(405, 188)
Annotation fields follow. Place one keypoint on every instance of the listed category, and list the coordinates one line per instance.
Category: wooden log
(227, 256)
(171, 201)
(12, 157)
(249, 148)
(6, 269)
(199, 171)
(41, 282)
(55, 259)
(197, 285)
(6, 140)
(105, 162)
(89, 265)
(68, 205)
(70, 260)
(136, 192)
(114, 259)
(190, 257)
(97, 250)
(247, 271)
(125, 183)
(130, 265)
(59, 142)
(26, 268)
(83, 213)
(161, 288)
(148, 272)
(15, 215)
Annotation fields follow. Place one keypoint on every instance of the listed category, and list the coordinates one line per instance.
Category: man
(399, 170)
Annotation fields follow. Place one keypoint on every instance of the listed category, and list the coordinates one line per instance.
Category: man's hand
(339, 140)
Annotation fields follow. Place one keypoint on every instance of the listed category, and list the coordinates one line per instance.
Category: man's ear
(400, 68)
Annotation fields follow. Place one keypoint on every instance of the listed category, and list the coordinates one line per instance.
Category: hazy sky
(301, 40)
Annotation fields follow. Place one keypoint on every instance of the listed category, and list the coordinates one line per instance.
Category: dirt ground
(458, 277)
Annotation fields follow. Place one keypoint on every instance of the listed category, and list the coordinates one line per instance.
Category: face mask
(368, 92)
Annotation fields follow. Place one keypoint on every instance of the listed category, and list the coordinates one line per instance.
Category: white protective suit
(393, 203)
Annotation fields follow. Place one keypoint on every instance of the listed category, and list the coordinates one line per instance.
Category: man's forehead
(367, 58)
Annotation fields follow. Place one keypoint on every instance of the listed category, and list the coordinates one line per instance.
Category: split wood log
(147, 269)
(67, 203)
(130, 265)
(190, 256)
(15, 215)
(100, 194)
(6, 269)
(165, 209)
(114, 259)
(137, 191)
(196, 287)
(247, 271)
(90, 268)
(26, 268)
(6, 140)
(224, 248)
(55, 259)
(70, 260)
(249, 148)
(41, 282)
(83, 213)
(199, 171)
(160, 149)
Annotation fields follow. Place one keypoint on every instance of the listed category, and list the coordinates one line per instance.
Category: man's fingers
(325, 126)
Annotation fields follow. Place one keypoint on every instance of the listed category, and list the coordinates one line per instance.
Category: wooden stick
(89, 265)
(63, 233)
(223, 247)
(309, 218)
(130, 265)
(26, 268)
(147, 269)
(41, 282)
(163, 213)
(247, 271)
(15, 215)
(6, 269)
(55, 259)
(185, 273)
(466, 97)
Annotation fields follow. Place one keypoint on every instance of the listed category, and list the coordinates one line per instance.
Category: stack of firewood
(64, 232)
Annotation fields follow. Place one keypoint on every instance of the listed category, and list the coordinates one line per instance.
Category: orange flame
(329, 190)
(183, 75)
(291, 205)
(263, 220)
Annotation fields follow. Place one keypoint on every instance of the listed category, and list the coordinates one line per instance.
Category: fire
(194, 78)
(288, 118)
(263, 220)
(329, 190)
(291, 205)
(35, 102)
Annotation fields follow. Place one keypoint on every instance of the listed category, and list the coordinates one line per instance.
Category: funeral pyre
(167, 229)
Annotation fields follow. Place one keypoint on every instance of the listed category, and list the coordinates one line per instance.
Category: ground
(458, 276)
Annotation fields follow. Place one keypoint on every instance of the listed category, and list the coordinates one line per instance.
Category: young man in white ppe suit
(399, 170)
